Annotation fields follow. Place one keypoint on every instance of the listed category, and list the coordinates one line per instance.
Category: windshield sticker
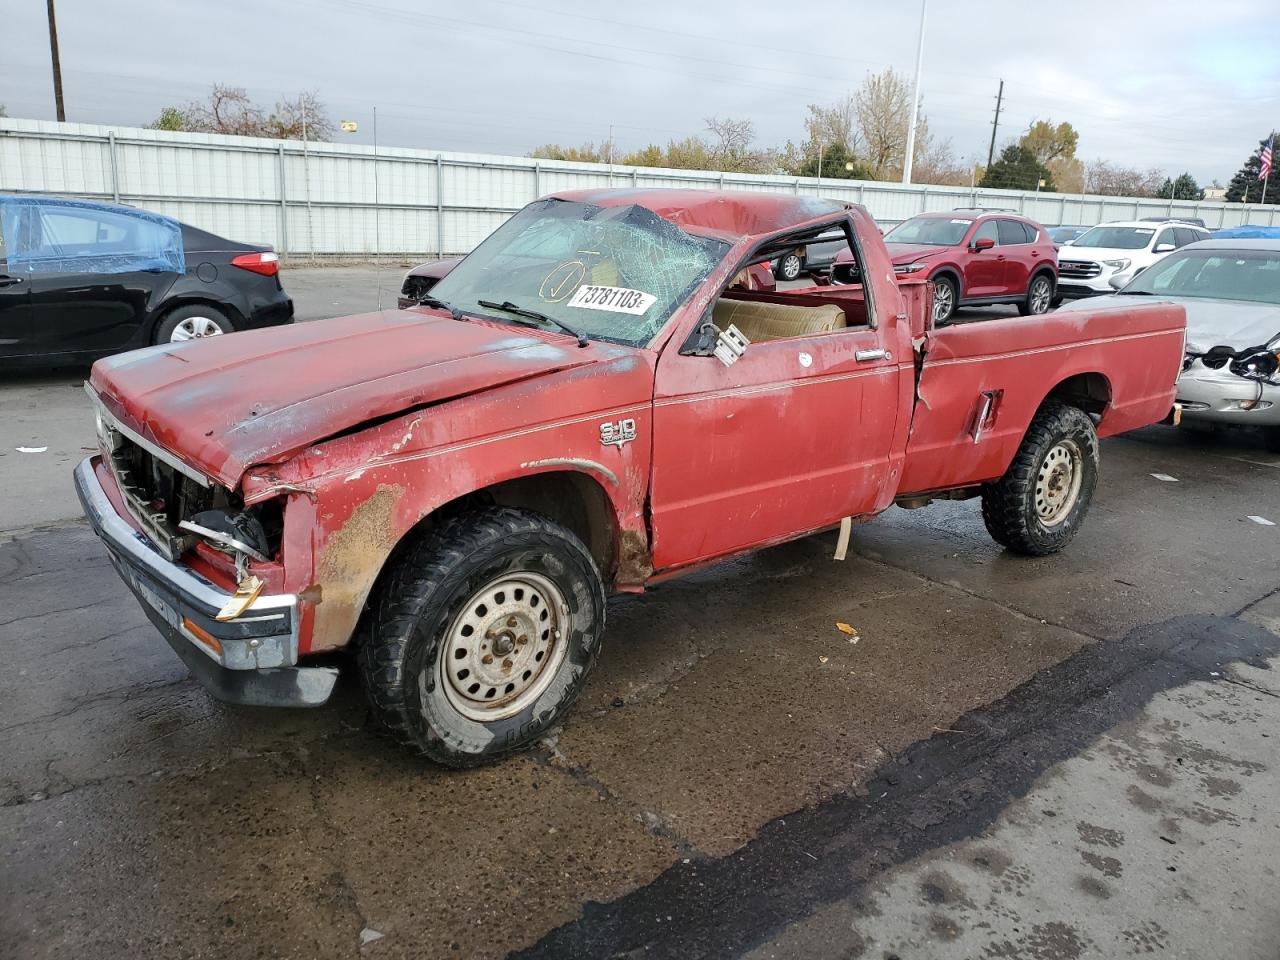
(1143, 232)
(613, 299)
(962, 221)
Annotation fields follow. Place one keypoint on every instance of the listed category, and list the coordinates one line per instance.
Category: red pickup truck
(591, 401)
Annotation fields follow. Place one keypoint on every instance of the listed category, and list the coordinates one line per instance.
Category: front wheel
(484, 635)
(1038, 506)
(945, 296)
(1039, 296)
(789, 266)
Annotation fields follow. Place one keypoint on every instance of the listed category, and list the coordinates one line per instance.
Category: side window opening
(797, 310)
(1165, 236)
(1010, 232)
(987, 231)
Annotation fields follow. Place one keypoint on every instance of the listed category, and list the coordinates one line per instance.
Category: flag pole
(1271, 143)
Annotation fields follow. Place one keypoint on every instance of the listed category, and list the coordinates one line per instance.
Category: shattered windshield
(611, 273)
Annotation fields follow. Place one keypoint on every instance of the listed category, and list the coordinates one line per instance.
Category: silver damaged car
(1231, 292)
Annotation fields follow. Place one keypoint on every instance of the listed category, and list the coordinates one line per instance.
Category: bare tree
(836, 123)
(1110, 180)
(883, 108)
(230, 110)
(292, 116)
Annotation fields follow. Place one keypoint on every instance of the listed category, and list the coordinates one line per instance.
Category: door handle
(8, 281)
(862, 356)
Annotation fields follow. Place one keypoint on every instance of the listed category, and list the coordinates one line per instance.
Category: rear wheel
(1038, 506)
(194, 322)
(1039, 296)
(945, 295)
(483, 635)
(789, 266)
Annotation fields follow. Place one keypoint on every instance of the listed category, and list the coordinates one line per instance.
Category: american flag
(1265, 170)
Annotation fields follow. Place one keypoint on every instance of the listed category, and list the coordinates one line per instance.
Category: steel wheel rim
(504, 647)
(941, 301)
(1058, 482)
(195, 328)
(1040, 296)
(791, 266)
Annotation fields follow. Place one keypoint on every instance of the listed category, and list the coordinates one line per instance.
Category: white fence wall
(334, 198)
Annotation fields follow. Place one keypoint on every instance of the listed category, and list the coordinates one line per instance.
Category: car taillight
(266, 263)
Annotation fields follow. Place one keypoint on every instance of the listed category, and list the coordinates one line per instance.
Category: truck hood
(1210, 323)
(1070, 252)
(227, 403)
(911, 252)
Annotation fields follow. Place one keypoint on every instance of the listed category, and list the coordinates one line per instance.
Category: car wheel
(1038, 506)
(194, 322)
(945, 295)
(483, 635)
(1271, 439)
(789, 266)
(1039, 296)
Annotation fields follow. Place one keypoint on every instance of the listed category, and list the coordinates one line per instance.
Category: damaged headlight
(252, 534)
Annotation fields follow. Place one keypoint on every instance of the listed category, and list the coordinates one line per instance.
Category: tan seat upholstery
(760, 321)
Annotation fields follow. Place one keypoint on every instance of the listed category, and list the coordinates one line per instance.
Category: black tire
(789, 267)
(946, 296)
(1039, 298)
(1014, 508)
(449, 576)
(198, 318)
(1271, 439)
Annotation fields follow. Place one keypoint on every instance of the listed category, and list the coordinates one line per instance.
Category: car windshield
(935, 231)
(1252, 275)
(611, 273)
(1116, 238)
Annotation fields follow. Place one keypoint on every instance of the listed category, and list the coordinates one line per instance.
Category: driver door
(795, 435)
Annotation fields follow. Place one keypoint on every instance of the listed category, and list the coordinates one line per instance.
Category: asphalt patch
(942, 790)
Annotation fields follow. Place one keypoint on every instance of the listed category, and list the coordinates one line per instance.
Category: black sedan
(80, 280)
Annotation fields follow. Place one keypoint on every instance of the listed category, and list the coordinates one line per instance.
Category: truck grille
(155, 494)
(1078, 269)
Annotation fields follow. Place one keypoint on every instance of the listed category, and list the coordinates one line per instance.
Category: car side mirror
(983, 243)
(1118, 281)
(1163, 248)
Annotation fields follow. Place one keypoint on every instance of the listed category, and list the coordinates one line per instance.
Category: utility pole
(915, 99)
(57, 65)
(995, 125)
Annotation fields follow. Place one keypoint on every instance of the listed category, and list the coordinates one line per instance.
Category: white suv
(1112, 254)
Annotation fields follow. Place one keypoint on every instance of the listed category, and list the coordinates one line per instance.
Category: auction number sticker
(613, 299)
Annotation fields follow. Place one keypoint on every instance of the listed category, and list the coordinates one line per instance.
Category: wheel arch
(178, 301)
(573, 498)
(952, 273)
(1090, 391)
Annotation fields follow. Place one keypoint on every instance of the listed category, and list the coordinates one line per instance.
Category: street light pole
(915, 98)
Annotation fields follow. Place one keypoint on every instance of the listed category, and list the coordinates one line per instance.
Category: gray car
(1231, 292)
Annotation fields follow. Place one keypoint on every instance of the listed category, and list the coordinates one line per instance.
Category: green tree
(1245, 184)
(1183, 187)
(3, 113)
(171, 118)
(1017, 169)
(1047, 142)
(838, 163)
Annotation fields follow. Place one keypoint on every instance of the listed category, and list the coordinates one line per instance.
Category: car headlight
(1117, 264)
(909, 267)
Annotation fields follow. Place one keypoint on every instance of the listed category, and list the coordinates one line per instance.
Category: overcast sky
(1174, 85)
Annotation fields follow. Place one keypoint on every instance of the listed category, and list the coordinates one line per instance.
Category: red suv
(974, 258)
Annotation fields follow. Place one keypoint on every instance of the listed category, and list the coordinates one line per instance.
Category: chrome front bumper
(259, 650)
(1219, 396)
